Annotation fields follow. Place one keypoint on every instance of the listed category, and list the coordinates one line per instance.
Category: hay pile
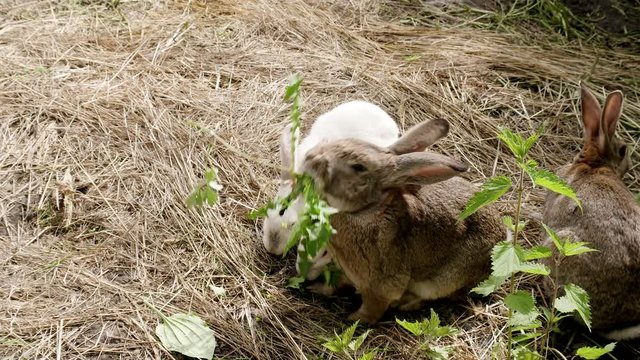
(109, 92)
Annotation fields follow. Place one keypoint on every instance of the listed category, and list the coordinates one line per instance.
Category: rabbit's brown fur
(610, 221)
(398, 240)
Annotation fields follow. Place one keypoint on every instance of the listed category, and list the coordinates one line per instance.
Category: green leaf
(355, 344)
(295, 282)
(489, 192)
(412, 327)
(537, 252)
(437, 352)
(368, 356)
(514, 141)
(575, 299)
(522, 321)
(565, 246)
(531, 140)
(534, 268)
(553, 182)
(489, 285)
(293, 87)
(523, 353)
(347, 335)
(520, 301)
(506, 258)
(576, 248)
(595, 352)
(508, 221)
(188, 335)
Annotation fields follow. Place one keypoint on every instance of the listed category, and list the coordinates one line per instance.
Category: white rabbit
(355, 119)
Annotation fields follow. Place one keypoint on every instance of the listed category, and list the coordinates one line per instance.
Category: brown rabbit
(398, 240)
(610, 222)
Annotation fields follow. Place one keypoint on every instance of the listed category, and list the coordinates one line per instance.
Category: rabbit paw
(321, 288)
(362, 317)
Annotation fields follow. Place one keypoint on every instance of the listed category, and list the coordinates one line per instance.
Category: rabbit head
(601, 146)
(352, 174)
(279, 222)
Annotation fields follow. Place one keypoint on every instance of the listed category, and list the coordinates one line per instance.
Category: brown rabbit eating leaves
(610, 222)
(398, 239)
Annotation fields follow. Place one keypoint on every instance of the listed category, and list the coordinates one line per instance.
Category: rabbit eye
(358, 168)
(622, 151)
(282, 211)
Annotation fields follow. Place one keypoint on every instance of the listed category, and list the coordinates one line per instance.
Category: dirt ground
(102, 106)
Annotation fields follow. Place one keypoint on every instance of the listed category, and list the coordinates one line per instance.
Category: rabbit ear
(285, 152)
(420, 136)
(420, 168)
(590, 113)
(611, 113)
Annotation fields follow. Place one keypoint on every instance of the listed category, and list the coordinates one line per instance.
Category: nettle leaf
(523, 353)
(413, 327)
(531, 140)
(576, 248)
(508, 222)
(506, 258)
(551, 181)
(437, 352)
(525, 321)
(188, 335)
(520, 301)
(295, 282)
(489, 192)
(355, 344)
(595, 352)
(537, 252)
(514, 141)
(535, 268)
(347, 335)
(575, 299)
(489, 285)
(368, 356)
(293, 87)
(565, 246)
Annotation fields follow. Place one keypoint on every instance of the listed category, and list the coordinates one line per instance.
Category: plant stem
(512, 278)
(552, 311)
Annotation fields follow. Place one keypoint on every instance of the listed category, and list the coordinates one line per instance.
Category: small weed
(429, 331)
(345, 344)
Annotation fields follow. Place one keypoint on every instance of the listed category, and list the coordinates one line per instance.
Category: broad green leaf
(334, 345)
(534, 268)
(531, 140)
(368, 356)
(575, 299)
(595, 352)
(489, 285)
(412, 327)
(188, 335)
(551, 181)
(524, 321)
(437, 352)
(537, 252)
(514, 141)
(355, 344)
(506, 258)
(576, 248)
(520, 301)
(489, 192)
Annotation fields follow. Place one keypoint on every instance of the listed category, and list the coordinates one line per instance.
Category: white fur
(355, 119)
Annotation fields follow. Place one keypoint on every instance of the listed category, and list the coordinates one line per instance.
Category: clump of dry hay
(108, 94)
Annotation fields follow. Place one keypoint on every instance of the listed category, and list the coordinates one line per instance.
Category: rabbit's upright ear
(421, 168)
(286, 157)
(611, 113)
(420, 136)
(590, 113)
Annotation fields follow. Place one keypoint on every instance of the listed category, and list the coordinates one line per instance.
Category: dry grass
(108, 94)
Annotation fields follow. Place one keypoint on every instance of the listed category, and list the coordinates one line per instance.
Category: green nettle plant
(529, 325)
(346, 345)
(429, 331)
(207, 193)
(313, 228)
